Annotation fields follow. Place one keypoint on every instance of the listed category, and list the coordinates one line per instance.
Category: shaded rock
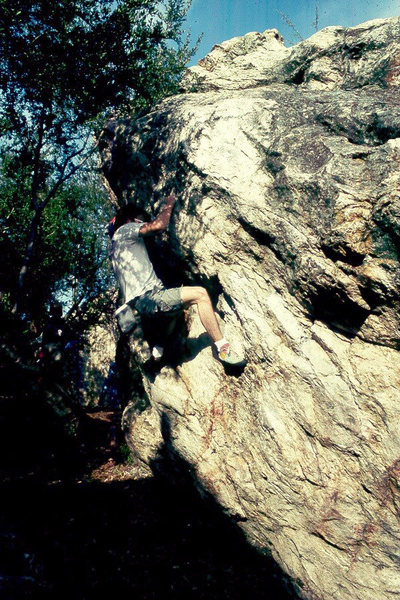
(99, 357)
(287, 168)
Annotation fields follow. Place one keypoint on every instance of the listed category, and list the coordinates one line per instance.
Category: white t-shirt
(131, 262)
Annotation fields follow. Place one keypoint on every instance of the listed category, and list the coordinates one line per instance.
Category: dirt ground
(80, 519)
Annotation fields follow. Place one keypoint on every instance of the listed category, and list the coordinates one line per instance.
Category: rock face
(287, 166)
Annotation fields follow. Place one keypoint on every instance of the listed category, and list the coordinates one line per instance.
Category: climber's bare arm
(161, 222)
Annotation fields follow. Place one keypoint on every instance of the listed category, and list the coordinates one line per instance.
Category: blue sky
(221, 20)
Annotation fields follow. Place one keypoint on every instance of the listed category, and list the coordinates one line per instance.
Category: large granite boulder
(287, 166)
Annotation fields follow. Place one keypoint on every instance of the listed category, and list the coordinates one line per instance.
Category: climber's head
(129, 214)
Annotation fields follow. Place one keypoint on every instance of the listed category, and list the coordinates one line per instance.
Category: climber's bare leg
(198, 295)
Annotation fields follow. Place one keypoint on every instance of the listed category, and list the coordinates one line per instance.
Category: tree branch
(65, 176)
(35, 222)
(36, 160)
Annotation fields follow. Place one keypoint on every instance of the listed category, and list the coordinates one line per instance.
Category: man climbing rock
(143, 290)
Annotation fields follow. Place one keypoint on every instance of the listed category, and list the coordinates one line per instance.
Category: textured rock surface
(287, 163)
(98, 357)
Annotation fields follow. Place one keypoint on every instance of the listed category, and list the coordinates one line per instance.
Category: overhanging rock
(287, 168)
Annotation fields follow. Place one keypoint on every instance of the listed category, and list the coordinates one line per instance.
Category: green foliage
(71, 260)
(126, 454)
(74, 251)
(85, 56)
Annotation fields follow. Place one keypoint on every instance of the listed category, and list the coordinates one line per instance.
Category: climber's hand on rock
(161, 222)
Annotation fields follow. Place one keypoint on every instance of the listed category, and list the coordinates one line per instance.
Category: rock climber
(143, 290)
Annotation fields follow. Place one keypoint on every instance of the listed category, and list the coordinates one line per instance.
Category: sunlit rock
(286, 163)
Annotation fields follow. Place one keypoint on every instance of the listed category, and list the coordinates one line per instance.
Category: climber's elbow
(154, 227)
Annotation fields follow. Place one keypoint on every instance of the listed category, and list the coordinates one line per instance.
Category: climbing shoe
(228, 357)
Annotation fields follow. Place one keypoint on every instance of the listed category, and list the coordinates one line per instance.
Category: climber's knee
(194, 294)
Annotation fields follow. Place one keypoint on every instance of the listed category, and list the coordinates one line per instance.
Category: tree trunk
(21, 298)
(21, 303)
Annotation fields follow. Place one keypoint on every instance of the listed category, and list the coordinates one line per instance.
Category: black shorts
(158, 300)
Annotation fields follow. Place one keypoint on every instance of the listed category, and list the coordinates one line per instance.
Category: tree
(65, 66)
(71, 261)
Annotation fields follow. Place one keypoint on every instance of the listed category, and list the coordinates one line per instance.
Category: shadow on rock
(156, 538)
(232, 567)
(196, 345)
